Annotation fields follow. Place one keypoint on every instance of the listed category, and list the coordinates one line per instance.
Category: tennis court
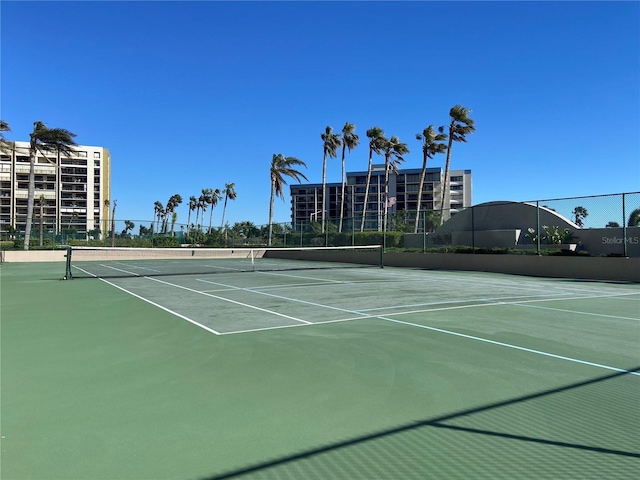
(342, 373)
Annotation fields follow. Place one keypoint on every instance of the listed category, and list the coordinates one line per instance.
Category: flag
(391, 201)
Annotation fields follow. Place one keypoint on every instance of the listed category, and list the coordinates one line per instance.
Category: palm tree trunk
(113, 224)
(420, 186)
(324, 189)
(386, 191)
(342, 196)
(30, 197)
(366, 191)
(445, 180)
(224, 211)
(273, 192)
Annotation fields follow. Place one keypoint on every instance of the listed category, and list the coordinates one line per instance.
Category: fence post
(538, 227)
(424, 231)
(473, 230)
(624, 226)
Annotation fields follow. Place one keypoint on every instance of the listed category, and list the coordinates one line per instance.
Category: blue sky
(192, 95)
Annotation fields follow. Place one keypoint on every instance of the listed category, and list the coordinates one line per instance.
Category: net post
(382, 253)
(68, 275)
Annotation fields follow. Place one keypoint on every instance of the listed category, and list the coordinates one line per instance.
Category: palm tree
(107, 204)
(229, 193)
(331, 143)
(459, 127)
(5, 145)
(43, 139)
(580, 213)
(375, 134)
(172, 204)
(350, 141)
(128, 226)
(158, 210)
(634, 218)
(282, 166)
(174, 219)
(430, 147)
(113, 223)
(213, 197)
(193, 204)
(393, 151)
(203, 201)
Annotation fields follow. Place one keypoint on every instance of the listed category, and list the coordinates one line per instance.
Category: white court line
(529, 284)
(495, 301)
(161, 307)
(512, 302)
(262, 329)
(230, 301)
(133, 266)
(508, 345)
(280, 286)
(119, 270)
(324, 280)
(387, 319)
(578, 312)
(471, 337)
(276, 296)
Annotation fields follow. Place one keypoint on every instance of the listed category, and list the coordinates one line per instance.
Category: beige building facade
(72, 193)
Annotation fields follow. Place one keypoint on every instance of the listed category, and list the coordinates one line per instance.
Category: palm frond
(5, 145)
(52, 139)
(350, 140)
(331, 142)
(281, 167)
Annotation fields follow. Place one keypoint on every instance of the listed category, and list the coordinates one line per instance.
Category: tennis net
(101, 262)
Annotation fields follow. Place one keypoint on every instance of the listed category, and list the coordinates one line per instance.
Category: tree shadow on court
(534, 435)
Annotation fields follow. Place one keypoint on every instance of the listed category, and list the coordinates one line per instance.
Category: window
(82, 154)
(456, 179)
(413, 178)
(96, 154)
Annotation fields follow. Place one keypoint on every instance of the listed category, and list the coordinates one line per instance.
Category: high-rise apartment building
(307, 204)
(71, 192)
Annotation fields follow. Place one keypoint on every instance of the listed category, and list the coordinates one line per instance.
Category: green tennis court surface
(355, 373)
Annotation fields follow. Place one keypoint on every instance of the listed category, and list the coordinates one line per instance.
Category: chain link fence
(607, 225)
(603, 225)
